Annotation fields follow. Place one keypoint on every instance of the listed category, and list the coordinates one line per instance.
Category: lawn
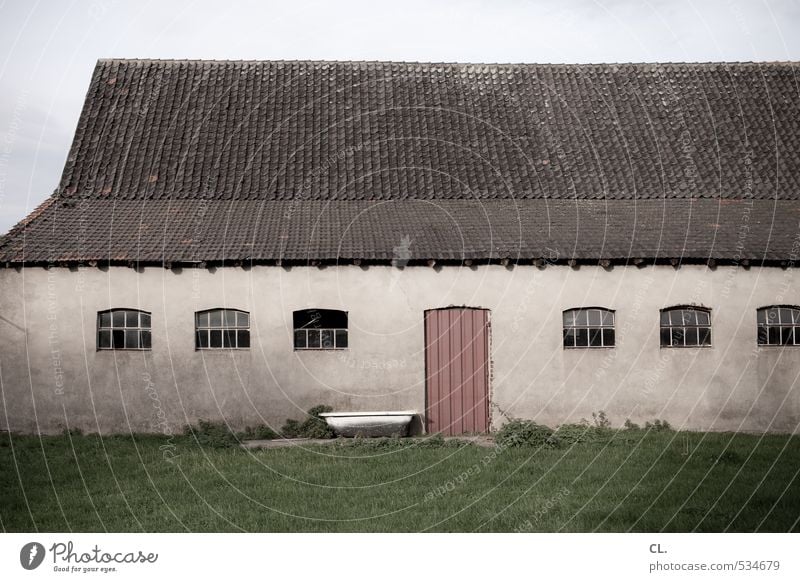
(634, 481)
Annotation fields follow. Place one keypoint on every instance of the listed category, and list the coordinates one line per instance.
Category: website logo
(31, 555)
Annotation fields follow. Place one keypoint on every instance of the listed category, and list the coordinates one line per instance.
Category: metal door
(457, 370)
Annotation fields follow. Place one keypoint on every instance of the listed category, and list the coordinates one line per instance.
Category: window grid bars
(602, 330)
(774, 331)
(331, 338)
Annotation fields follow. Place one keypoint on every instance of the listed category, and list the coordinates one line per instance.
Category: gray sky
(48, 49)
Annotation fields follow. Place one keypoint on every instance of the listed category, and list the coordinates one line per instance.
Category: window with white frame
(685, 327)
(778, 325)
(590, 327)
(123, 329)
(320, 329)
(222, 329)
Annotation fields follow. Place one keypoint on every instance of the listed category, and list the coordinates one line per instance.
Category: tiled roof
(153, 231)
(469, 161)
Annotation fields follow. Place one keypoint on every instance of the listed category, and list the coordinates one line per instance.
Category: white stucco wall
(52, 375)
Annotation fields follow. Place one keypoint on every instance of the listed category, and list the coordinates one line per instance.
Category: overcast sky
(48, 48)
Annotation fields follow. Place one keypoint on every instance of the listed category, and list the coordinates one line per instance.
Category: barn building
(240, 241)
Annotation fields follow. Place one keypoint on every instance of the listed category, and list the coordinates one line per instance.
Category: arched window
(778, 325)
(685, 327)
(320, 329)
(222, 329)
(590, 327)
(123, 329)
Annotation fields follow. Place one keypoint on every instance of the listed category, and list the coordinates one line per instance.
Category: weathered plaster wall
(52, 375)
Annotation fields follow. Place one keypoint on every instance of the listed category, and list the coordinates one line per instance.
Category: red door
(457, 370)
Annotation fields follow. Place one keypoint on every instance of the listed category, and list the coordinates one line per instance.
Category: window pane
(761, 316)
(229, 318)
(703, 317)
(118, 339)
(216, 338)
(132, 319)
(131, 339)
(202, 319)
(677, 336)
(229, 338)
(105, 319)
(104, 339)
(215, 318)
(341, 338)
(594, 317)
(243, 319)
(582, 338)
(595, 337)
(300, 338)
(772, 316)
(327, 339)
(202, 339)
(145, 320)
(795, 316)
(774, 334)
(691, 336)
(787, 337)
(569, 338)
(568, 318)
(118, 318)
(704, 336)
(608, 318)
(666, 337)
(608, 337)
(762, 336)
(145, 337)
(313, 338)
(244, 338)
(665, 318)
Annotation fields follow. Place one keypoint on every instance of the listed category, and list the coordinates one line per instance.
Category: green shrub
(601, 420)
(525, 433)
(312, 427)
(215, 435)
(260, 432)
(290, 429)
(631, 425)
(570, 434)
(658, 425)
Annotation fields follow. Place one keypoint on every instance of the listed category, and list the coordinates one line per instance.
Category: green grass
(637, 481)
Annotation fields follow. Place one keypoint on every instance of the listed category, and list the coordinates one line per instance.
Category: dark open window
(222, 329)
(123, 329)
(320, 329)
(591, 327)
(685, 327)
(779, 325)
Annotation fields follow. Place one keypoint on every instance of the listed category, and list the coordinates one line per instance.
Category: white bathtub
(370, 424)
